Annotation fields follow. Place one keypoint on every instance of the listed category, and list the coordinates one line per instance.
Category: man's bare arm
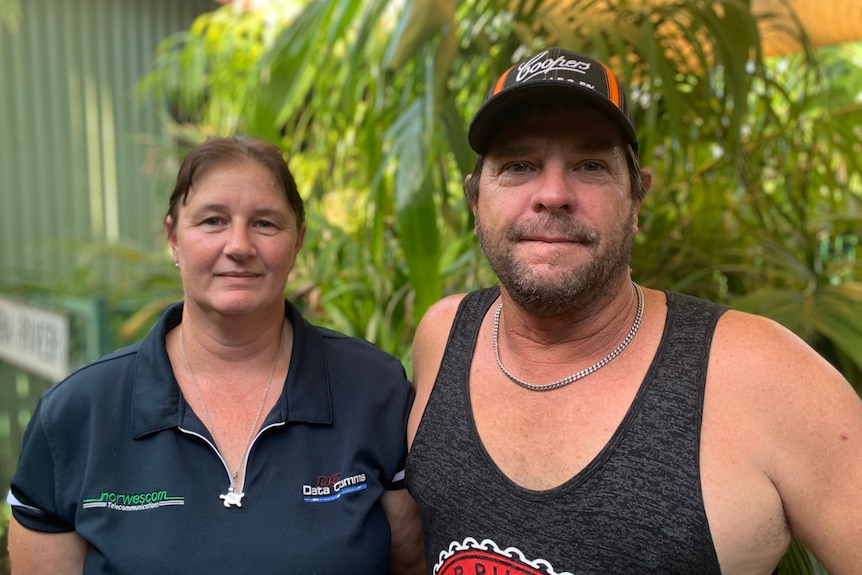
(407, 556)
(808, 421)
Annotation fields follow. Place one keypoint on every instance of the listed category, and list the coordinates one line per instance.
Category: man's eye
(212, 221)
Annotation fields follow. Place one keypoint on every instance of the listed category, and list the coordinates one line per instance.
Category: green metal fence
(87, 339)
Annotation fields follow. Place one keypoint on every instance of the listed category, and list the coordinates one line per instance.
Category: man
(570, 421)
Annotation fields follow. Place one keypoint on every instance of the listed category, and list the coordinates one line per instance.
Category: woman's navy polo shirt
(115, 453)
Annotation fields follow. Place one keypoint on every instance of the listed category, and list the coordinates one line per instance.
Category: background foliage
(756, 201)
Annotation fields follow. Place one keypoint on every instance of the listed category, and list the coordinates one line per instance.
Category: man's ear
(646, 174)
(472, 202)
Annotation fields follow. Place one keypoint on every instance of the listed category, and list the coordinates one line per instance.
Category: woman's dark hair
(218, 151)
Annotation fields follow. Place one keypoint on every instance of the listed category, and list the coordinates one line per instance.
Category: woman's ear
(171, 237)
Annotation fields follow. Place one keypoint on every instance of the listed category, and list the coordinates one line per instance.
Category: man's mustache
(559, 227)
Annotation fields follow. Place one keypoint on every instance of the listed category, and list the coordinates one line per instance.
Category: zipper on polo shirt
(219, 455)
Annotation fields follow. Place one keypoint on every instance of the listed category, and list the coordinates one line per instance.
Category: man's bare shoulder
(756, 363)
(777, 410)
(429, 344)
(432, 333)
(439, 316)
(753, 342)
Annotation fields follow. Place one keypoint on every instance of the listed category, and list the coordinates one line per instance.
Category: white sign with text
(34, 339)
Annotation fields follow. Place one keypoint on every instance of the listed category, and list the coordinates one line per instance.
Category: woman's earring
(176, 264)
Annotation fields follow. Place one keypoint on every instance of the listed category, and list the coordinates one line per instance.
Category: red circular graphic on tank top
(487, 558)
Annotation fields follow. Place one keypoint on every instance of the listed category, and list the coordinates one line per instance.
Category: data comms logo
(133, 502)
(332, 487)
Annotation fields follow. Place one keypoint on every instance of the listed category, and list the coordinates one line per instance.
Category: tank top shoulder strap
(465, 329)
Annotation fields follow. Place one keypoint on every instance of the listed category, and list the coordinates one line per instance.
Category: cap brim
(490, 116)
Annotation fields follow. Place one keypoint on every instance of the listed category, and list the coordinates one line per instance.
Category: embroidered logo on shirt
(133, 501)
(331, 487)
(486, 557)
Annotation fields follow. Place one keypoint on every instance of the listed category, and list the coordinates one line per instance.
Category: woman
(236, 437)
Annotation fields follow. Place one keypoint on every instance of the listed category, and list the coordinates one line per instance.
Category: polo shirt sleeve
(405, 401)
(33, 495)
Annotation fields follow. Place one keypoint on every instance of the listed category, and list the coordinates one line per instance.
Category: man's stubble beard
(575, 288)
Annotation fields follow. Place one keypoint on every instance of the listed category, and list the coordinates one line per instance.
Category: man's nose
(556, 189)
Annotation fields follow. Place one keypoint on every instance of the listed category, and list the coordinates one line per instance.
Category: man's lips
(552, 240)
(555, 240)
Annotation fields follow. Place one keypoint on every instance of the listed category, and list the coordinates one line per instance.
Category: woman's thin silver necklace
(232, 497)
(584, 372)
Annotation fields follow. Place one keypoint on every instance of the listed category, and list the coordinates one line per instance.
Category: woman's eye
(519, 167)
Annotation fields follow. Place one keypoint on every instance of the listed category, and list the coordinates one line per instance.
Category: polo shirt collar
(157, 403)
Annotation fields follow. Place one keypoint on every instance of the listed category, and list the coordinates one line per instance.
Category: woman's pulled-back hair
(234, 149)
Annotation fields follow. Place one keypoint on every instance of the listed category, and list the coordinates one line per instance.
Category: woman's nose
(239, 244)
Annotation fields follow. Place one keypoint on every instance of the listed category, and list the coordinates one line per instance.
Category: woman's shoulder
(358, 355)
(91, 402)
(117, 369)
(100, 373)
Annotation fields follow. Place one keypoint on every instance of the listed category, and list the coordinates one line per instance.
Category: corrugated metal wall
(78, 149)
(78, 156)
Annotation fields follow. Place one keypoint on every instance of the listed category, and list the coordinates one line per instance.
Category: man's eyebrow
(514, 149)
(596, 146)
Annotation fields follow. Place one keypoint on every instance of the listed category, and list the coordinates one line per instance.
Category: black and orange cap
(552, 71)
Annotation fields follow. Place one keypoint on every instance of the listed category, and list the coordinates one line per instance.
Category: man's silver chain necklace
(583, 372)
(232, 497)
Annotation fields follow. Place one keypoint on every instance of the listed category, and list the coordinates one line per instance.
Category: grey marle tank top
(637, 508)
